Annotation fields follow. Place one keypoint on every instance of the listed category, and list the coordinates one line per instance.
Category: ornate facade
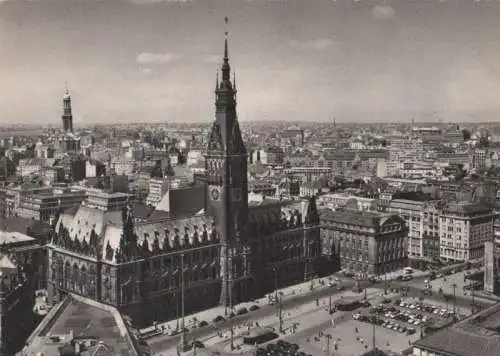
(228, 252)
(365, 243)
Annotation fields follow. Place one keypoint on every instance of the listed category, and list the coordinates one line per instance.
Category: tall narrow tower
(227, 187)
(67, 117)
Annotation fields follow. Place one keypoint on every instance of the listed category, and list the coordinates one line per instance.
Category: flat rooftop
(85, 321)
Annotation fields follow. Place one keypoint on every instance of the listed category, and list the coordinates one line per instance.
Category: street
(320, 319)
(163, 342)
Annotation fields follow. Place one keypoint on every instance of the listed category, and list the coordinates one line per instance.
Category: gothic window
(59, 271)
(75, 278)
(67, 275)
(83, 280)
(53, 270)
(107, 288)
(92, 281)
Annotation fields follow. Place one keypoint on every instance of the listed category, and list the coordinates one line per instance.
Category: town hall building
(230, 251)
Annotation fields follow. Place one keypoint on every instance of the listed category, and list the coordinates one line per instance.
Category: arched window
(75, 278)
(67, 275)
(92, 281)
(59, 271)
(83, 280)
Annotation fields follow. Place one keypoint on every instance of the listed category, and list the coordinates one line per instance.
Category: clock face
(215, 194)
(237, 194)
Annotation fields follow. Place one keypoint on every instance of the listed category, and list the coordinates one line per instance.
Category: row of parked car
(388, 324)
(393, 313)
(431, 309)
(240, 311)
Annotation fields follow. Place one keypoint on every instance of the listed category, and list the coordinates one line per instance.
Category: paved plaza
(306, 320)
(346, 341)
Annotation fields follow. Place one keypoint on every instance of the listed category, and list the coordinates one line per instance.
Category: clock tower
(227, 187)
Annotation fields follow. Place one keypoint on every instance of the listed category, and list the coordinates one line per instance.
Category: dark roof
(159, 215)
(142, 211)
(360, 218)
(456, 342)
(467, 208)
(25, 226)
(188, 200)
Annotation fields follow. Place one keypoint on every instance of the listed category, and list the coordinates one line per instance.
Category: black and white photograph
(250, 177)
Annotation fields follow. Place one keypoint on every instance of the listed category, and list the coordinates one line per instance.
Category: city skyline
(153, 61)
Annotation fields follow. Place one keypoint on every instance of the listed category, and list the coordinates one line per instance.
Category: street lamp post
(328, 337)
(275, 270)
(232, 336)
(280, 313)
(330, 311)
(365, 283)
(454, 285)
(473, 309)
(183, 332)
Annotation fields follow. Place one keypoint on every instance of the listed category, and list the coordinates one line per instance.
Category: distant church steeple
(67, 117)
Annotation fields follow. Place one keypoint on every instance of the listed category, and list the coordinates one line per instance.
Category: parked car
(218, 319)
(254, 308)
(241, 311)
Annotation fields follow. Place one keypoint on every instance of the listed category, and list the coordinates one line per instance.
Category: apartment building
(422, 219)
(464, 228)
(45, 206)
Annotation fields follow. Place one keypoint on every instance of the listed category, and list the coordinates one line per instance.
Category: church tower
(67, 117)
(227, 186)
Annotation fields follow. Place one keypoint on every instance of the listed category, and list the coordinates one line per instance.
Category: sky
(295, 60)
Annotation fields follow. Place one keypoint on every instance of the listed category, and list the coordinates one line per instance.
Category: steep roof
(183, 201)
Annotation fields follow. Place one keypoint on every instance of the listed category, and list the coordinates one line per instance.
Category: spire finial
(66, 87)
(226, 33)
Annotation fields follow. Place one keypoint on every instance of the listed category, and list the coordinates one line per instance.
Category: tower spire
(226, 69)
(226, 56)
